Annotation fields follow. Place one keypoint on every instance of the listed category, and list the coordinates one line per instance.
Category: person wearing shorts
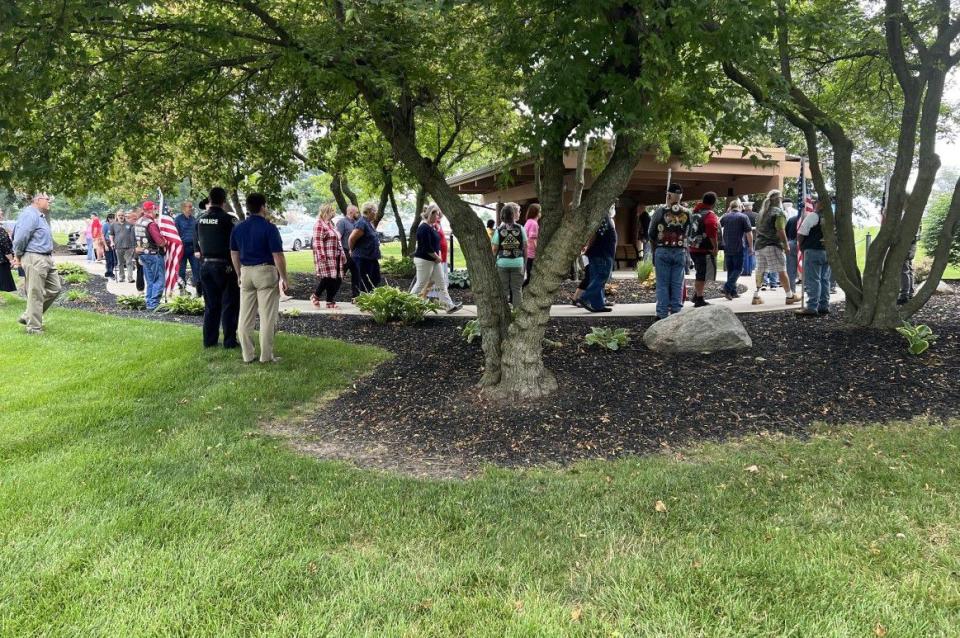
(704, 245)
(771, 245)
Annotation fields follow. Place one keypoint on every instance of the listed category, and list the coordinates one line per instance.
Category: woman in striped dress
(328, 257)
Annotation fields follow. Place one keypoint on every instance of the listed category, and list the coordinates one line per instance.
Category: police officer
(221, 293)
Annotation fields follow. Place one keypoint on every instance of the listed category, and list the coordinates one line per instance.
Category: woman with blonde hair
(328, 257)
(429, 261)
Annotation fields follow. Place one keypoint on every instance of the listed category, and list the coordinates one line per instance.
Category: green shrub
(933, 225)
(918, 337)
(76, 278)
(921, 269)
(387, 304)
(471, 330)
(398, 267)
(644, 270)
(132, 302)
(183, 305)
(290, 312)
(69, 268)
(609, 338)
(459, 278)
(79, 296)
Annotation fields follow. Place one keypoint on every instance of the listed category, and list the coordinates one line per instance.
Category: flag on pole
(174, 250)
(805, 207)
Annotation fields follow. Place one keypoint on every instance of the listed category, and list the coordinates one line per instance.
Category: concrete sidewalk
(773, 300)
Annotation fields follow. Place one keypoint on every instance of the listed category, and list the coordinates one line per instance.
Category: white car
(306, 232)
(291, 238)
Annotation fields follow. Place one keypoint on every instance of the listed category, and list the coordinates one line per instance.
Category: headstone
(708, 329)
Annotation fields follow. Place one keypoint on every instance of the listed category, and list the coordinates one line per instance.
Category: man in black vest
(816, 268)
(221, 293)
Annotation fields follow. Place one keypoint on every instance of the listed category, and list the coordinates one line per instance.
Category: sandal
(315, 301)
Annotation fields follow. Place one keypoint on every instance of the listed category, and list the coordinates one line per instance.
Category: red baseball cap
(149, 206)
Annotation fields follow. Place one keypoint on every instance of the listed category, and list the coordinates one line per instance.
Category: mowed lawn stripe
(138, 496)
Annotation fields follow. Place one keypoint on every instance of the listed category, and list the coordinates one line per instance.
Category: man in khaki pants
(33, 248)
(257, 255)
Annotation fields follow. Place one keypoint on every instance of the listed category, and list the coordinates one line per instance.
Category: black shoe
(823, 313)
(592, 309)
(608, 304)
(901, 301)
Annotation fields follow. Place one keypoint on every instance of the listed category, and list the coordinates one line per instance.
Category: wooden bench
(626, 256)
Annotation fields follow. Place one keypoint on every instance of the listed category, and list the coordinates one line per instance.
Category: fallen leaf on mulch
(576, 614)
(753, 469)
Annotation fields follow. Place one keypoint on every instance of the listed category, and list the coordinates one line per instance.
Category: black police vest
(213, 234)
(142, 235)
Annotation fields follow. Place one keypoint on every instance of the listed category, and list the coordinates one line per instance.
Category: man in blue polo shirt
(257, 254)
(33, 250)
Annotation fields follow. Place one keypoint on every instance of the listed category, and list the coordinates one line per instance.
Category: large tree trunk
(523, 373)
(395, 122)
(872, 295)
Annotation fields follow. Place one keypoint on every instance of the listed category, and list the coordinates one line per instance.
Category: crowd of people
(240, 271)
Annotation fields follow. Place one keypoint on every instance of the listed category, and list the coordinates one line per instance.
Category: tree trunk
(345, 185)
(523, 373)
(237, 206)
(384, 195)
(404, 250)
(395, 122)
(336, 187)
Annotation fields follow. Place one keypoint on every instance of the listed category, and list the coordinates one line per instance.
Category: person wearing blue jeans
(150, 252)
(816, 268)
(737, 245)
(153, 271)
(668, 235)
(601, 252)
(670, 264)
(187, 229)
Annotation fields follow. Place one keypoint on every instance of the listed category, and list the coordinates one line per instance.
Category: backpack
(697, 234)
(511, 241)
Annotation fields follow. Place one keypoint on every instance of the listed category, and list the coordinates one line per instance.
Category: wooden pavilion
(731, 172)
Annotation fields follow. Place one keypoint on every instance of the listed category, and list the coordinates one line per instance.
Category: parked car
(306, 232)
(292, 238)
(76, 243)
(388, 231)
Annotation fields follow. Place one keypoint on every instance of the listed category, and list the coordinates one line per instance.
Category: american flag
(805, 208)
(174, 251)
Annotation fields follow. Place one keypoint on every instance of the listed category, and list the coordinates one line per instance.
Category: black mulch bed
(302, 286)
(420, 411)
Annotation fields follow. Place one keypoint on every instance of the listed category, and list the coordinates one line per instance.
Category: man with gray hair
(345, 226)
(33, 249)
(123, 242)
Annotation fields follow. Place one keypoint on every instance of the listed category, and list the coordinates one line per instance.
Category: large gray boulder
(707, 329)
(943, 288)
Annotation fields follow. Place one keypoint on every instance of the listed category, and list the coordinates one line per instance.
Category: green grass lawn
(139, 497)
